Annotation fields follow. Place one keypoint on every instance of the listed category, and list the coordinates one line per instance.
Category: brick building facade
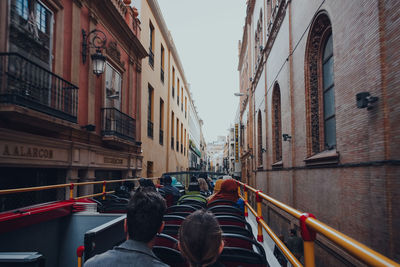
(59, 122)
(308, 144)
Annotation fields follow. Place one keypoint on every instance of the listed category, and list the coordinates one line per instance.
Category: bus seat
(233, 229)
(181, 208)
(233, 257)
(171, 230)
(220, 202)
(225, 209)
(193, 202)
(240, 241)
(232, 220)
(165, 240)
(173, 219)
(169, 256)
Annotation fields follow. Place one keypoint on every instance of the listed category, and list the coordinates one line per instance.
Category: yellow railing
(309, 228)
(71, 187)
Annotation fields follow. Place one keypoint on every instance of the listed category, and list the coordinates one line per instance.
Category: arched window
(277, 124)
(320, 93)
(259, 139)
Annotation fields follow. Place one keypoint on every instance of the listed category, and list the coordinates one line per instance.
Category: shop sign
(117, 161)
(236, 142)
(27, 151)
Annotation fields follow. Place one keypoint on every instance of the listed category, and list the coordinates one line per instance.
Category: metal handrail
(293, 260)
(355, 248)
(70, 185)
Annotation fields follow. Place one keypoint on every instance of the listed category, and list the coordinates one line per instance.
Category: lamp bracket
(97, 41)
(286, 137)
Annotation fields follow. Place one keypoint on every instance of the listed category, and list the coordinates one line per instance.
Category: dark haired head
(167, 179)
(146, 185)
(293, 231)
(200, 238)
(145, 213)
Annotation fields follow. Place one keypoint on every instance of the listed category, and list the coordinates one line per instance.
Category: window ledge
(278, 164)
(323, 158)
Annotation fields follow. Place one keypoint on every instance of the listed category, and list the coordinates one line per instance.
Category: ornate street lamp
(98, 42)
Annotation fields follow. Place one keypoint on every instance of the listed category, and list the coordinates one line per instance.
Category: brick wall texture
(360, 195)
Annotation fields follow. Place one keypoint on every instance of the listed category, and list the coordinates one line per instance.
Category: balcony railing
(173, 91)
(181, 148)
(162, 75)
(177, 146)
(161, 138)
(118, 124)
(150, 129)
(172, 142)
(177, 100)
(151, 58)
(25, 83)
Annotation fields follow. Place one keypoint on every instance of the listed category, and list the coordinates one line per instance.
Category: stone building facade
(165, 99)
(321, 122)
(59, 122)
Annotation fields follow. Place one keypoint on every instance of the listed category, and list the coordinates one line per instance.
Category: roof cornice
(155, 8)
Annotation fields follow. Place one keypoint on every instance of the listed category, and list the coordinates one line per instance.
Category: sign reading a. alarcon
(39, 153)
(236, 142)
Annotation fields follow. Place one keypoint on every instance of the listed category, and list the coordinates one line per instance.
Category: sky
(206, 35)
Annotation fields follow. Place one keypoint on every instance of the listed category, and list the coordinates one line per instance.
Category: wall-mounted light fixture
(263, 150)
(286, 137)
(241, 94)
(98, 42)
(365, 100)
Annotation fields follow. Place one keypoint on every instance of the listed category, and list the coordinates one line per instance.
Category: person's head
(167, 180)
(144, 217)
(229, 187)
(193, 179)
(200, 238)
(193, 187)
(203, 184)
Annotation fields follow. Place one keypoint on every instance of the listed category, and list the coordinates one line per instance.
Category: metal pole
(245, 201)
(308, 236)
(104, 190)
(260, 237)
(71, 191)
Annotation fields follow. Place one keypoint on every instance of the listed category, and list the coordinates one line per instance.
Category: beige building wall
(159, 155)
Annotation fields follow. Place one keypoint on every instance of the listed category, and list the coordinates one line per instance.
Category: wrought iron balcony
(116, 123)
(177, 100)
(173, 91)
(162, 75)
(151, 58)
(161, 138)
(177, 146)
(25, 83)
(172, 142)
(181, 148)
(150, 129)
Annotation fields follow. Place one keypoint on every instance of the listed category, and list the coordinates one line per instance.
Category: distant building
(165, 97)
(215, 151)
(195, 133)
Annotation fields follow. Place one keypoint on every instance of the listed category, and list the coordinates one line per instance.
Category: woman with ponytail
(200, 239)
